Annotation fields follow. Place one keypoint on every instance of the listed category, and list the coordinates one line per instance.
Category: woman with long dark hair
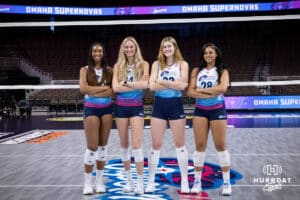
(208, 83)
(95, 84)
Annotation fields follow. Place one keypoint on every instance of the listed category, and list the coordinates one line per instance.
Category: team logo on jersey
(164, 73)
(202, 77)
(167, 176)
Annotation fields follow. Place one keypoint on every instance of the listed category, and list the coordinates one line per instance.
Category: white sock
(226, 176)
(128, 174)
(99, 176)
(88, 178)
(182, 158)
(140, 178)
(197, 176)
(152, 164)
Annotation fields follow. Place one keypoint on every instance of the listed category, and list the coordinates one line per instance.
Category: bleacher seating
(244, 46)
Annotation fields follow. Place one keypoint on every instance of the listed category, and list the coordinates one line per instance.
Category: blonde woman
(131, 74)
(169, 77)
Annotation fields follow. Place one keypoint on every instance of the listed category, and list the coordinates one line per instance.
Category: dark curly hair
(219, 61)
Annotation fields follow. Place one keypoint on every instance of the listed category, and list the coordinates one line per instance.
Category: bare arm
(153, 84)
(118, 86)
(221, 88)
(107, 93)
(182, 82)
(97, 91)
(192, 90)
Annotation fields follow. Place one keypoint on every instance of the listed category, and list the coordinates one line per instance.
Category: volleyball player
(95, 84)
(169, 77)
(131, 75)
(208, 83)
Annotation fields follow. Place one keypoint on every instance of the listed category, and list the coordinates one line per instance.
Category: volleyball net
(64, 99)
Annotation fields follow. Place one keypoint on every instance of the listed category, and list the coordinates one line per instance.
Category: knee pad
(125, 154)
(154, 156)
(101, 153)
(89, 157)
(138, 155)
(182, 153)
(224, 158)
(198, 158)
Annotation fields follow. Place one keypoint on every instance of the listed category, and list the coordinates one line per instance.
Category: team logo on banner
(167, 176)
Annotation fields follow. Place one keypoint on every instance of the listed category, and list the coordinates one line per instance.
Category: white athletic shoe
(185, 187)
(87, 189)
(150, 188)
(226, 189)
(100, 188)
(197, 188)
(128, 187)
(139, 188)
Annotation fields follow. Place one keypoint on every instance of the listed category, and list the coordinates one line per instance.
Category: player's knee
(89, 157)
(92, 147)
(125, 155)
(198, 158)
(138, 155)
(179, 143)
(156, 145)
(220, 147)
(136, 146)
(101, 153)
(200, 146)
(224, 158)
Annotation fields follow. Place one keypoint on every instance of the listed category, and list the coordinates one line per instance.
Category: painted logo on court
(167, 179)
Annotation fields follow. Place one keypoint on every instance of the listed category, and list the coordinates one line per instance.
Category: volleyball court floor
(44, 160)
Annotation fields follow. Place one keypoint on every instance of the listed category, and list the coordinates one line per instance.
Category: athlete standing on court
(95, 84)
(169, 77)
(208, 83)
(131, 75)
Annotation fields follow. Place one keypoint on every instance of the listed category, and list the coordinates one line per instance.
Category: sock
(99, 175)
(140, 178)
(128, 174)
(88, 178)
(152, 164)
(182, 158)
(197, 176)
(226, 176)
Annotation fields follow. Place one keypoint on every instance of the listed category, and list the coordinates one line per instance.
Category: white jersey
(208, 78)
(130, 74)
(171, 73)
(98, 73)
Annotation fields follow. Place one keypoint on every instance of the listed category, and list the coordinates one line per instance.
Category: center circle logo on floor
(167, 178)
